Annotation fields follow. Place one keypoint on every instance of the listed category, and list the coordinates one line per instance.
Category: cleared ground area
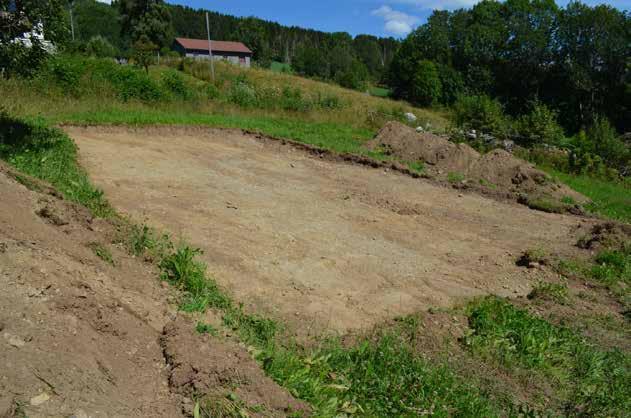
(320, 243)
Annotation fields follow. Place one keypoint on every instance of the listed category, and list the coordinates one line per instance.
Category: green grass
(48, 154)
(550, 291)
(281, 67)
(202, 328)
(336, 137)
(380, 376)
(611, 267)
(102, 252)
(609, 199)
(591, 382)
(455, 177)
(380, 91)
(416, 166)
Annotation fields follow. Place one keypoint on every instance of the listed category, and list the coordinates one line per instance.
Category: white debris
(411, 117)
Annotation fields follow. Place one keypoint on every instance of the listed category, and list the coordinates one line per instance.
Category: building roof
(219, 46)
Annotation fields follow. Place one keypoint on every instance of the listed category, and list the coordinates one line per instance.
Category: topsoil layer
(320, 243)
(498, 171)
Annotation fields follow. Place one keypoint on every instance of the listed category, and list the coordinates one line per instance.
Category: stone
(40, 399)
(411, 117)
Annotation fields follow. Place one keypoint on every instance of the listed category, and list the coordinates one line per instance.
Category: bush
(243, 94)
(481, 113)
(291, 99)
(64, 71)
(100, 47)
(212, 92)
(426, 86)
(174, 83)
(608, 145)
(131, 83)
(540, 126)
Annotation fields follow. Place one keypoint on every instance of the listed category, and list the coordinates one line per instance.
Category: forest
(576, 60)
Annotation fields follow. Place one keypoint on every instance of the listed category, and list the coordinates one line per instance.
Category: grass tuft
(102, 252)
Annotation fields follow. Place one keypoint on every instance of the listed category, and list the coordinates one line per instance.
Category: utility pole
(210, 50)
(71, 3)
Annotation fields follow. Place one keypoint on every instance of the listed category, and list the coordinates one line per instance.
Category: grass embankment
(385, 372)
(609, 199)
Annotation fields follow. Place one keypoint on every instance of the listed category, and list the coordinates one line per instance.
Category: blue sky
(377, 17)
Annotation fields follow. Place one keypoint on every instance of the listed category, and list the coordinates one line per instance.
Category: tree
(99, 47)
(93, 18)
(146, 19)
(20, 16)
(144, 50)
(426, 86)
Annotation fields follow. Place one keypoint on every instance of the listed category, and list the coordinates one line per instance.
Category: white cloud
(397, 23)
(105, 1)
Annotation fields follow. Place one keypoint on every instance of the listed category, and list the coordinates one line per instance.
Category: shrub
(426, 86)
(242, 94)
(212, 92)
(540, 126)
(131, 83)
(174, 83)
(328, 101)
(608, 145)
(64, 71)
(481, 113)
(291, 99)
(100, 47)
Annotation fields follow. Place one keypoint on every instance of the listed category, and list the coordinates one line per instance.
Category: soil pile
(497, 172)
(202, 364)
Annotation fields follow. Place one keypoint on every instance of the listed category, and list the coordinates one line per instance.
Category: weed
(189, 275)
(487, 183)
(454, 177)
(254, 329)
(550, 291)
(222, 406)
(206, 329)
(568, 200)
(533, 256)
(102, 252)
(416, 166)
(144, 240)
(592, 381)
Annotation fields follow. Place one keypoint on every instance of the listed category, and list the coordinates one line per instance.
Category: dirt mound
(406, 144)
(497, 172)
(606, 235)
(224, 371)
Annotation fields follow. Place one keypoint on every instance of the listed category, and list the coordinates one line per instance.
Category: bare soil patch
(80, 336)
(497, 172)
(318, 242)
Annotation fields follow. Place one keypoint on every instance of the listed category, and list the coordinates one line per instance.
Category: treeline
(574, 60)
(338, 56)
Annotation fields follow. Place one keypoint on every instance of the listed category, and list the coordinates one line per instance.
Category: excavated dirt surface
(78, 336)
(499, 172)
(321, 243)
